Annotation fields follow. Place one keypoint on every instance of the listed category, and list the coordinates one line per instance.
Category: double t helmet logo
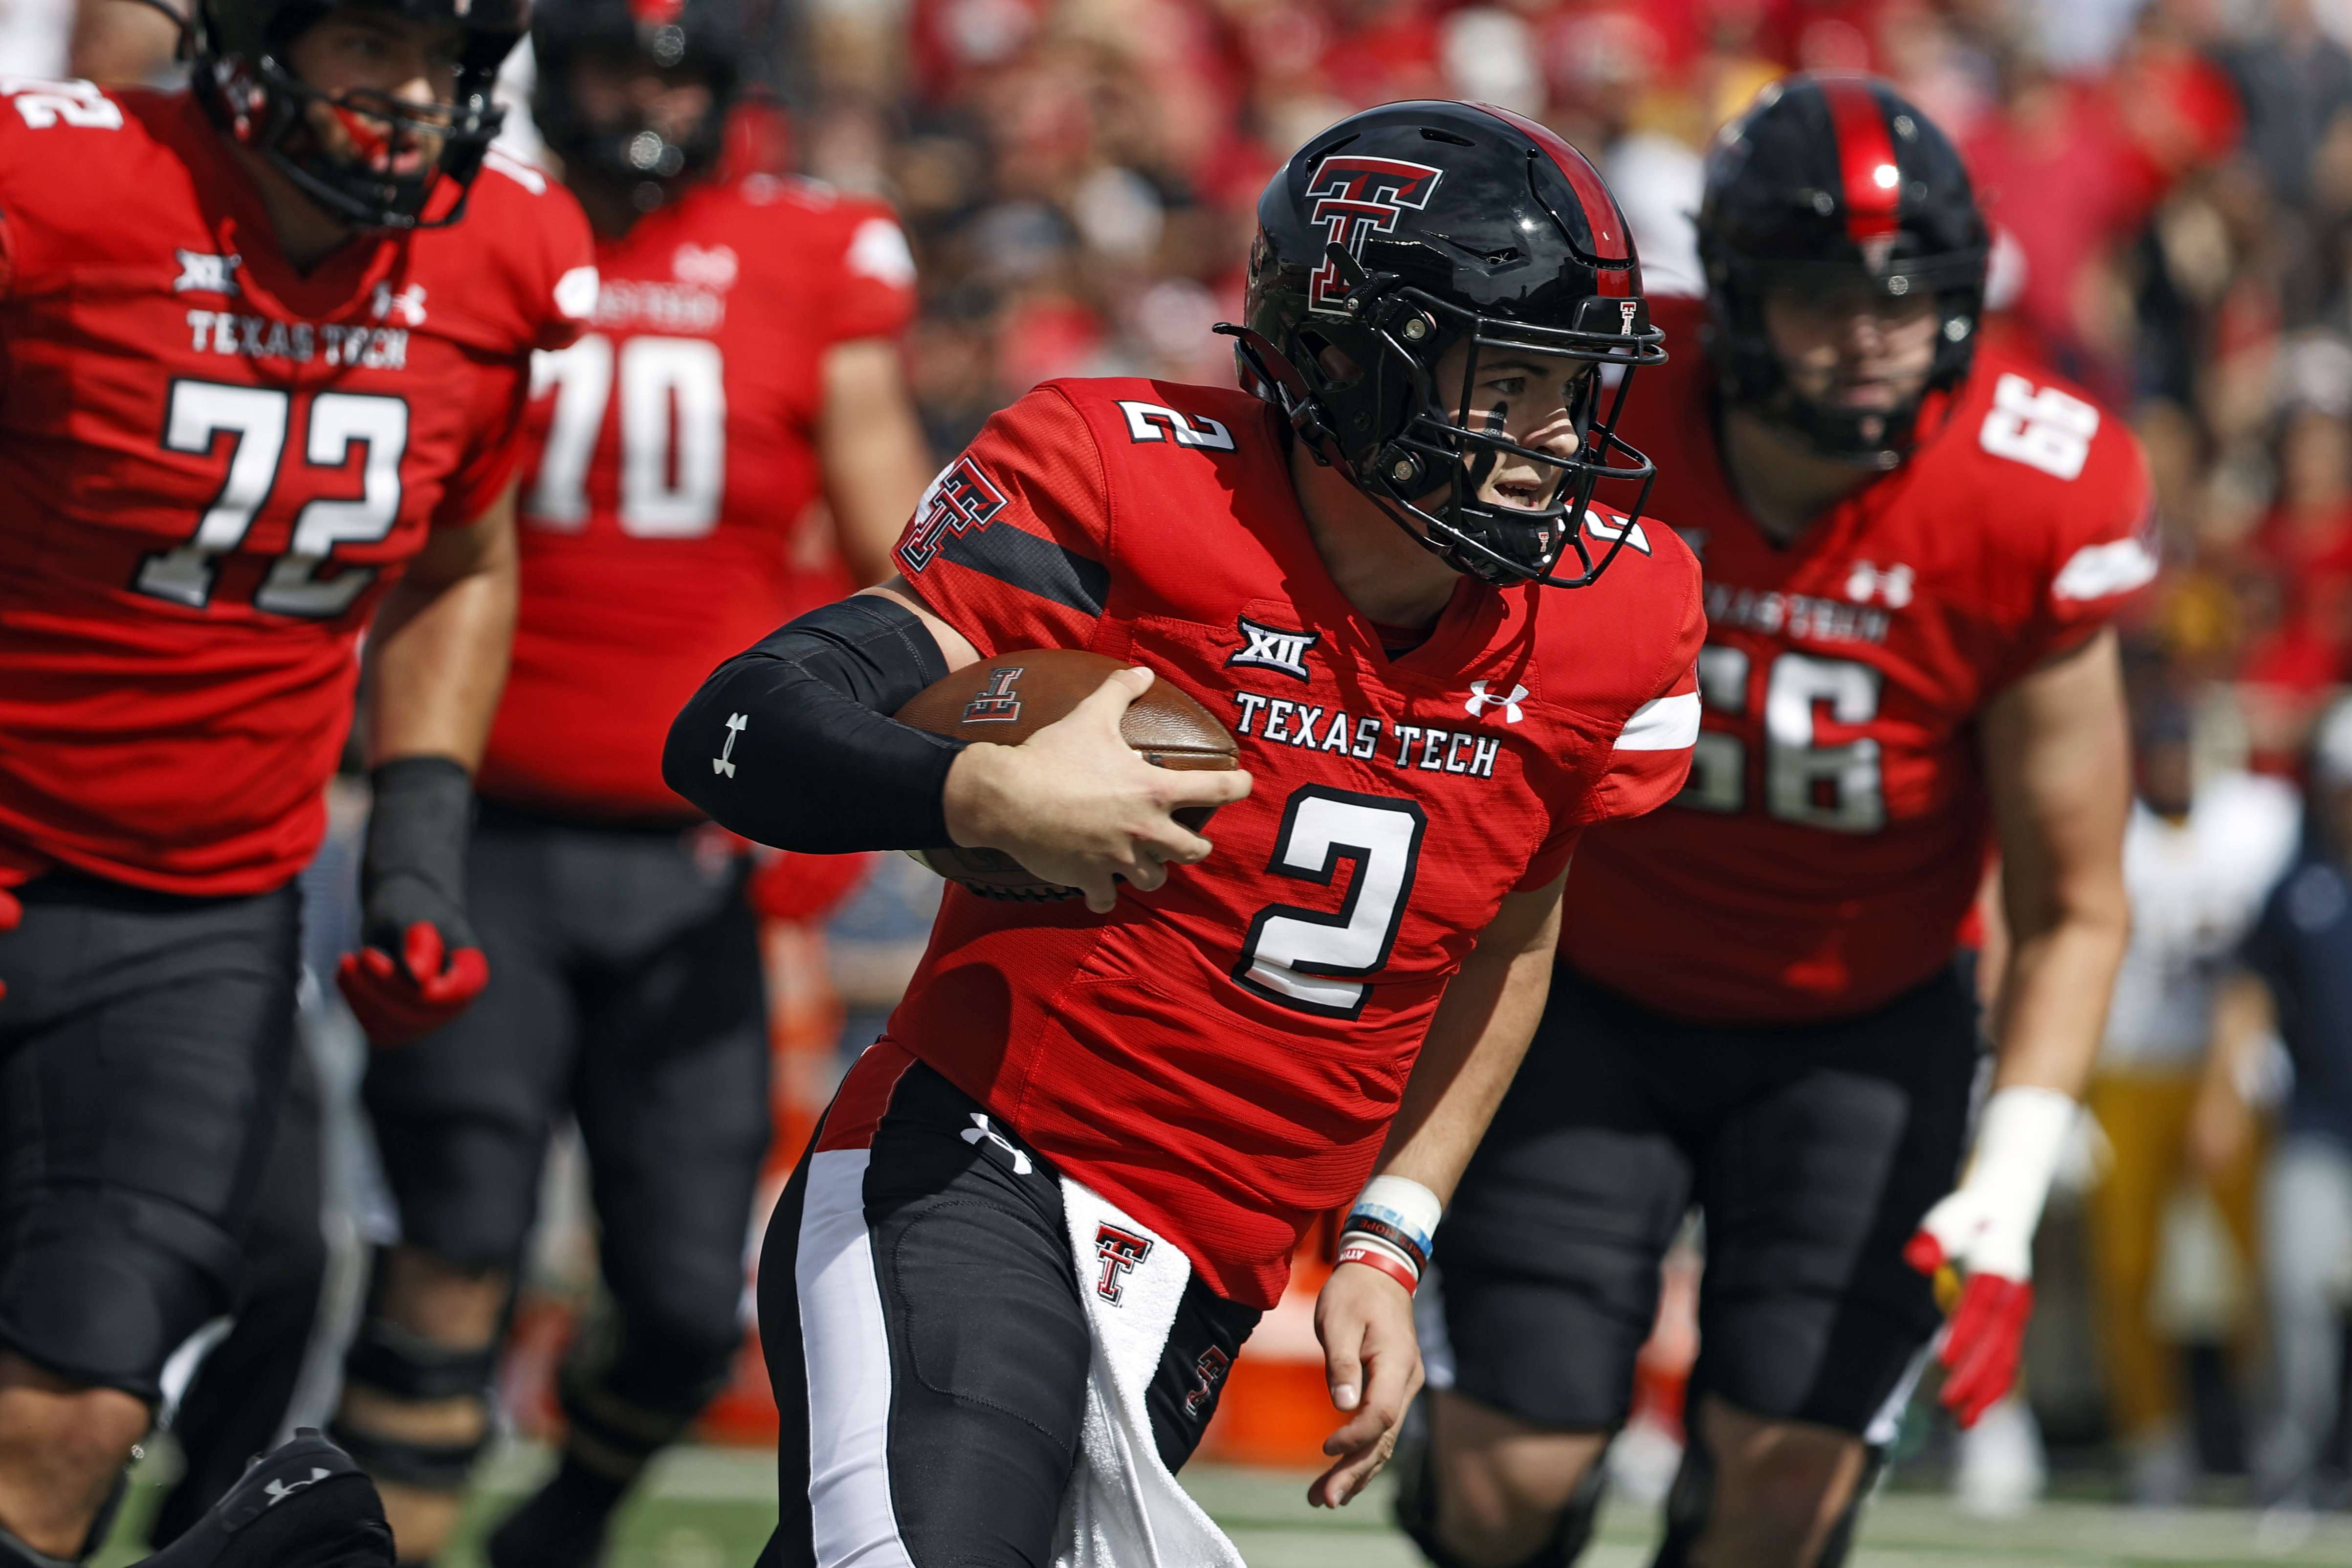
(1359, 196)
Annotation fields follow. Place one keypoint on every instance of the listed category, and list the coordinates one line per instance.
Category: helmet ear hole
(1338, 366)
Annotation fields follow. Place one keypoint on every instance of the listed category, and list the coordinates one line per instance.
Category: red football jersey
(215, 466)
(672, 452)
(1829, 843)
(1222, 1056)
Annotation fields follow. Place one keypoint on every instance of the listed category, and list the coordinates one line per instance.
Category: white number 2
(673, 434)
(1307, 958)
(1838, 787)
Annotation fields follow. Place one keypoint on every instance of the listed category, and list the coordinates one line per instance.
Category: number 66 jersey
(1828, 846)
(1221, 1056)
(214, 467)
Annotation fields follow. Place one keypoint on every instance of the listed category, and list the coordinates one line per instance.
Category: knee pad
(1416, 1504)
(630, 1394)
(390, 1358)
(105, 1283)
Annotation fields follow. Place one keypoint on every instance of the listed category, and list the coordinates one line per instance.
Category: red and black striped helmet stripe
(1872, 180)
(1613, 246)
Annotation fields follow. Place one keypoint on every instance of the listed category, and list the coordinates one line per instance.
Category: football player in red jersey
(1000, 1295)
(264, 387)
(740, 365)
(1911, 554)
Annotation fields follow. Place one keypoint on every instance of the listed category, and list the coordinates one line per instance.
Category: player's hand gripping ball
(1008, 698)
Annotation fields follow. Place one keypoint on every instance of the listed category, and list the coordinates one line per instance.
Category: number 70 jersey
(213, 467)
(1828, 846)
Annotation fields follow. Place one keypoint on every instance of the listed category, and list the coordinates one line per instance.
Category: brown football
(1010, 698)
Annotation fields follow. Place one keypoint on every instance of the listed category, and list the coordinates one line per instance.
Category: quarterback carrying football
(1001, 1294)
(740, 364)
(266, 345)
(1912, 548)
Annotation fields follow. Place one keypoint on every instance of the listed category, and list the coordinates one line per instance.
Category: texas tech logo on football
(997, 703)
(1357, 196)
(1120, 1251)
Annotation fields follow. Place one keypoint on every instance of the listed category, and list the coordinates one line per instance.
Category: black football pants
(144, 1052)
(1813, 1152)
(625, 988)
(919, 1313)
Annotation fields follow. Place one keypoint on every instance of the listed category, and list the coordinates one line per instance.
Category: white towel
(1124, 1508)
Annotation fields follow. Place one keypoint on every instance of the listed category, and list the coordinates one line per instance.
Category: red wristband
(1378, 1257)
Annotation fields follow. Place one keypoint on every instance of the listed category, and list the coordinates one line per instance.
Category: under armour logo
(408, 304)
(1210, 1371)
(1481, 699)
(1275, 648)
(1120, 1251)
(204, 274)
(1867, 582)
(980, 1129)
(278, 1491)
(724, 761)
(996, 704)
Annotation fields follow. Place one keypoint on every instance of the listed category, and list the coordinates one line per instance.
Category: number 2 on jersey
(669, 488)
(254, 418)
(1306, 959)
(1836, 787)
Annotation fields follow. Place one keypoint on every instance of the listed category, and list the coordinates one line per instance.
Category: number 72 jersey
(213, 467)
(1827, 850)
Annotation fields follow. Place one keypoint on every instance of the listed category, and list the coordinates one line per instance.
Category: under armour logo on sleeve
(980, 1129)
(724, 761)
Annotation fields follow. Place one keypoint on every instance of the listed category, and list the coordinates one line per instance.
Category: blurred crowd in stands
(2170, 184)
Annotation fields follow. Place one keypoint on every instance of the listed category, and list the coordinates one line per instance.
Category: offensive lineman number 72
(255, 418)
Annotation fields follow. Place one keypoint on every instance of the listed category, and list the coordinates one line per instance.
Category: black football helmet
(1829, 183)
(1404, 230)
(240, 75)
(709, 36)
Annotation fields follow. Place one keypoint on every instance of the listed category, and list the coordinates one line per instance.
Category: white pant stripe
(847, 1354)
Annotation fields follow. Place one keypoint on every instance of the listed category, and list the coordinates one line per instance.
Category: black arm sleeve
(787, 743)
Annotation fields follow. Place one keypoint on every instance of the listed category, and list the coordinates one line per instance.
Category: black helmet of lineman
(1408, 228)
(242, 79)
(1828, 185)
(707, 37)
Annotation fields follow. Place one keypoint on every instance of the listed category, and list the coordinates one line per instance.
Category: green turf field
(712, 1507)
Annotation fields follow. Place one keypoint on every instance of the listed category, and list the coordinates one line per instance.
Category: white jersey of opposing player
(2195, 887)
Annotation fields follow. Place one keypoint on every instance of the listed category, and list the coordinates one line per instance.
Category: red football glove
(11, 911)
(789, 886)
(1978, 1244)
(1985, 1336)
(397, 1003)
